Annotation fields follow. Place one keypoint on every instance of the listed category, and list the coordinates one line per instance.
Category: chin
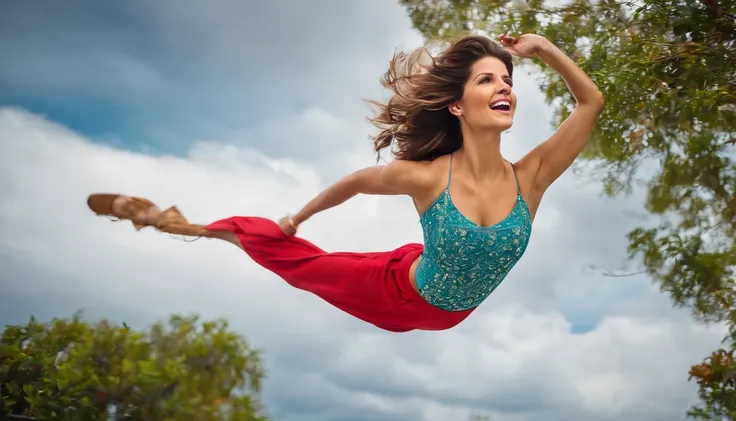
(501, 126)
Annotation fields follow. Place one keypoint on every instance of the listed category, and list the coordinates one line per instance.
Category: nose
(505, 88)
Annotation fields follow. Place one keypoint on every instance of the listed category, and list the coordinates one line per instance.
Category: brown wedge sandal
(170, 221)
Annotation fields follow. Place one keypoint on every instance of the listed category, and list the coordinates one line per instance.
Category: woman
(476, 209)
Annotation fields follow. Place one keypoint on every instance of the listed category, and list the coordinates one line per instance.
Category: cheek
(478, 103)
(474, 95)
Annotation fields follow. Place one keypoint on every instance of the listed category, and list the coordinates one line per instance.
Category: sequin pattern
(463, 263)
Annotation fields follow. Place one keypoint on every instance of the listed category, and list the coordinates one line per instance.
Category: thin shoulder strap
(449, 173)
(516, 179)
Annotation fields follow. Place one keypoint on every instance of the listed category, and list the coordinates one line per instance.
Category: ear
(455, 109)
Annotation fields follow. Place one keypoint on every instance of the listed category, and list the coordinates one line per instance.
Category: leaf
(29, 390)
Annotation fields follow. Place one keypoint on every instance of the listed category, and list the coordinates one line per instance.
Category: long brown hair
(417, 116)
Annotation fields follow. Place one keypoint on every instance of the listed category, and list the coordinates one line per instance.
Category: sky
(232, 107)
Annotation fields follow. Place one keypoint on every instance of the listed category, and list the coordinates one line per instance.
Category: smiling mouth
(501, 106)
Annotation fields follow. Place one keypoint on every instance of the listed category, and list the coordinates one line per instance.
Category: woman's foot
(143, 213)
(126, 205)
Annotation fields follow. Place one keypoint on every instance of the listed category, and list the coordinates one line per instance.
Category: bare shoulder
(411, 177)
(427, 179)
(526, 170)
(419, 179)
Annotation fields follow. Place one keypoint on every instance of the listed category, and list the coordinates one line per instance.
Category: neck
(481, 153)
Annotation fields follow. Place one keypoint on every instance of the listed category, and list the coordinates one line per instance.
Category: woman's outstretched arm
(552, 157)
(398, 177)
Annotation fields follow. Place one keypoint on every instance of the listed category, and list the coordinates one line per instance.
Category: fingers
(509, 44)
(287, 230)
(507, 40)
(286, 226)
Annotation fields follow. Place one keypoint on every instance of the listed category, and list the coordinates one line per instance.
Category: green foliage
(76, 371)
(668, 72)
(716, 379)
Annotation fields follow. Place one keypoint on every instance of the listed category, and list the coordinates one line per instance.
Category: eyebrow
(490, 74)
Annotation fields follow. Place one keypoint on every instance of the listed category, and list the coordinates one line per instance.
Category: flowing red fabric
(374, 287)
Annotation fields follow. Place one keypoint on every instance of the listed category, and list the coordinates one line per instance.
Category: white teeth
(499, 103)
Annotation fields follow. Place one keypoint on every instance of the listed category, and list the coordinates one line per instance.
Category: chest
(457, 243)
(483, 206)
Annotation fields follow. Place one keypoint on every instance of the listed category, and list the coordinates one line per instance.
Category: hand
(286, 226)
(525, 46)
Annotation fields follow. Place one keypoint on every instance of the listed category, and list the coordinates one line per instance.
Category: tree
(76, 371)
(668, 72)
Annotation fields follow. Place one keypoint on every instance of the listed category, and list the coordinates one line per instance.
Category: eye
(509, 82)
(485, 79)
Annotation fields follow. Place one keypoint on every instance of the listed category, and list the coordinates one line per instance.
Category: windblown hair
(417, 117)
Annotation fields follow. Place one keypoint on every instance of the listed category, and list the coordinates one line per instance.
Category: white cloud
(164, 74)
(515, 358)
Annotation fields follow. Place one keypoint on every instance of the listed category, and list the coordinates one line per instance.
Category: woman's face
(488, 101)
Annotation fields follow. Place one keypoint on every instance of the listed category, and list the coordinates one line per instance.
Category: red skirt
(374, 287)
